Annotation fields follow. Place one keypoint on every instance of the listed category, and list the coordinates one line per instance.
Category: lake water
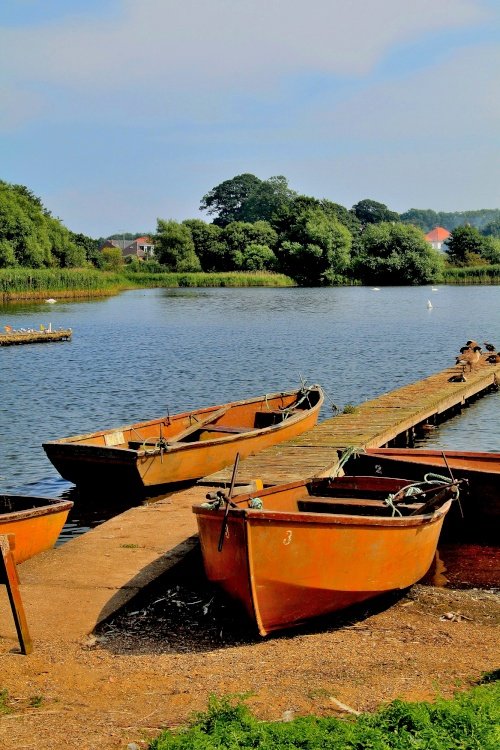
(143, 353)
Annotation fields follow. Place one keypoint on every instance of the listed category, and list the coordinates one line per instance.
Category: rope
(348, 453)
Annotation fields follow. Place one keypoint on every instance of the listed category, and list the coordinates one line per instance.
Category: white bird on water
(429, 304)
(51, 300)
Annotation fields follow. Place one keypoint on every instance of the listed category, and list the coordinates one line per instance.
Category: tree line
(262, 225)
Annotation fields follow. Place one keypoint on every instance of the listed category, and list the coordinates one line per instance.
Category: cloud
(167, 45)
(459, 95)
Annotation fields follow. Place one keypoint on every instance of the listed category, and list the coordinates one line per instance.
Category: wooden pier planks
(34, 337)
(372, 424)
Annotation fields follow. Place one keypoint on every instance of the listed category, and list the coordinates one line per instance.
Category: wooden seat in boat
(318, 504)
(225, 428)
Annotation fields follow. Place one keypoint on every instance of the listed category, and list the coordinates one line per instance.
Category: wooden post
(9, 576)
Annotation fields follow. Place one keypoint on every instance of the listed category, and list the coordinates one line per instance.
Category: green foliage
(239, 235)
(209, 245)
(226, 200)
(317, 249)
(492, 229)
(470, 721)
(19, 280)
(372, 212)
(90, 247)
(428, 219)
(174, 247)
(229, 279)
(112, 258)
(466, 246)
(396, 254)
(258, 258)
(267, 200)
(4, 702)
(472, 275)
(30, 236)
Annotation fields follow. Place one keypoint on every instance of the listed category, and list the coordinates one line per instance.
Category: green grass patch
(229, 279)
(470, 721)
(472, 275)
(26, 282)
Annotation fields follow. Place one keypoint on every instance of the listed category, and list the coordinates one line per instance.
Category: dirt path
(160, 659)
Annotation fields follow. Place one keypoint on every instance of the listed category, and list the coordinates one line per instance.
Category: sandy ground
(158, 660)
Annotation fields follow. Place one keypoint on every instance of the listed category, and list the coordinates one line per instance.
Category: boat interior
(344, 497)
(203, 425)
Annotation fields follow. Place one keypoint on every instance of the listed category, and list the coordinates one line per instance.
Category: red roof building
(437, 236)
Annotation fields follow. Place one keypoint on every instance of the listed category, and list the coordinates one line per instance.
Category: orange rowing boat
(480, 495)
(36, 522)
(185, 446)
(306, 549)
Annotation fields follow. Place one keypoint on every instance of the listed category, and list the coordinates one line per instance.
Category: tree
(257, 257)
(492, 229)
(89, 246)
(239, 234)
(226, 200)
(7, 254)
(174, 247)
(209, 245)
(36, 238)
(267, 200)
(396, 254)
(112, 258)
(372, 212)
(317, 249)
(466, 246)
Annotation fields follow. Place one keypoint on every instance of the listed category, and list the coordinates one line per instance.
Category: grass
(26, 283)
(229, 279)
(469, 721)
(472, 275)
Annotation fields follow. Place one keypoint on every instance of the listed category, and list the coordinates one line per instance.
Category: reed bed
(472, 275)
(200, 279)
(26, 283)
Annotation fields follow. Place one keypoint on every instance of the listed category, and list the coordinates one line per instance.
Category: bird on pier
(469, 356)
(471, 344)
(493, 359)
(489, 347)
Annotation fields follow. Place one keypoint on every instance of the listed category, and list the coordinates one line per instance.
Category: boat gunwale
(250, 515)
(108, 450)
(51, 507)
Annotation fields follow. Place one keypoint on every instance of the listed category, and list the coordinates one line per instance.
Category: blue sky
(119, 112)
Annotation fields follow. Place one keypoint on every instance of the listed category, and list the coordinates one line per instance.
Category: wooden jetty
(103, 569)
(393, 419)
(35, 337)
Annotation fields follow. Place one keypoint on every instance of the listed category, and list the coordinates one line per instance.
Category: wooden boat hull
(36, 522)
(286, 565)
(480, 496)
(186, 446)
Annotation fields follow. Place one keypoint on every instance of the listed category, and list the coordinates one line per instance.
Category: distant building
(436, 237)
(141, 248)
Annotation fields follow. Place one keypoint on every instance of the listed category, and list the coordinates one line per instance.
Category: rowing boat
(309, 548)
(480, 496)
(186, 446)
(36, 522)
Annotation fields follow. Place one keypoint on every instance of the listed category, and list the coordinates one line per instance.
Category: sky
(119, 112)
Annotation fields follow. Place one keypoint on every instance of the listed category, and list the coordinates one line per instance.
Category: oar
(228, 503)
(452, 479)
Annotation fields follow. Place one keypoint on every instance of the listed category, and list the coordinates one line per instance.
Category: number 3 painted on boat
(288, 537)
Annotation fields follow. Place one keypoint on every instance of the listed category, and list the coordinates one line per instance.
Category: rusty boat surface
(297, 551)
(480, 494)
(36, 522)
(186, 446)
